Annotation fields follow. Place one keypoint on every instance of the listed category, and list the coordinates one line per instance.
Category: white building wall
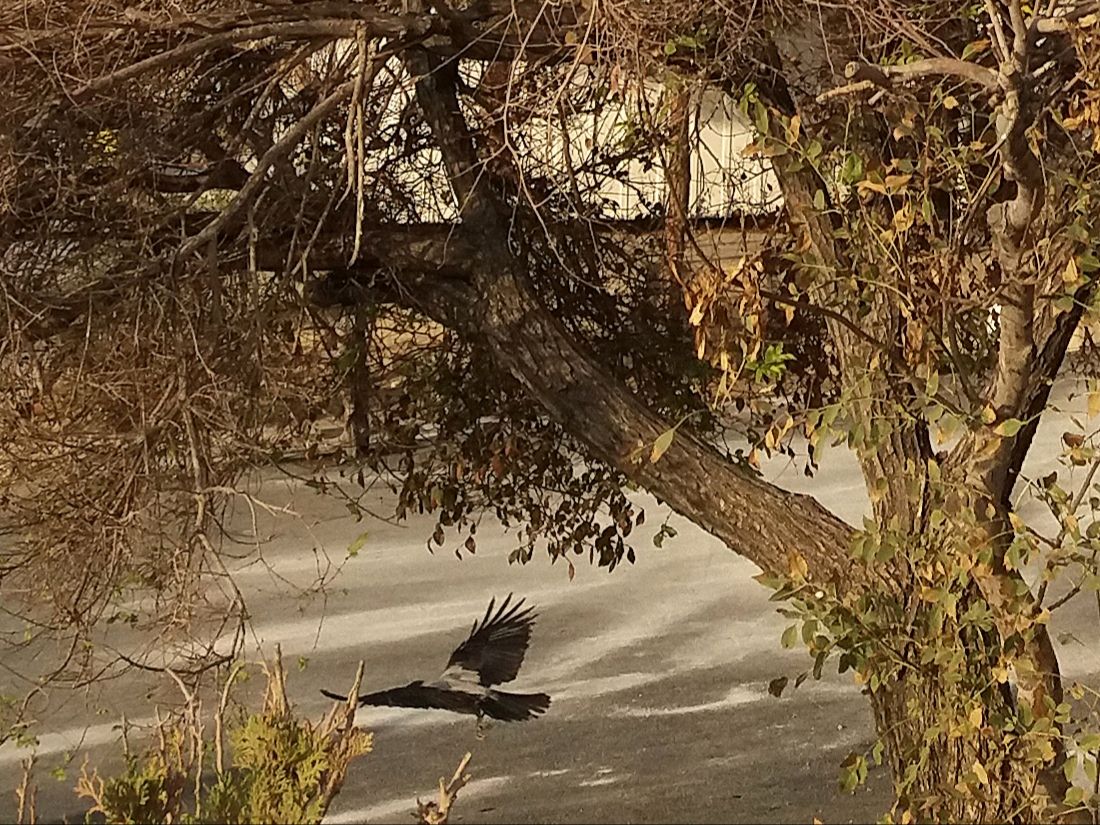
(724, 181)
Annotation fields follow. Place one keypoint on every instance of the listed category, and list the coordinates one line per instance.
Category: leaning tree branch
(436, 83)
(756, 519)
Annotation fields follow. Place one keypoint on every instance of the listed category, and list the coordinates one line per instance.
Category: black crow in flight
(490, 656)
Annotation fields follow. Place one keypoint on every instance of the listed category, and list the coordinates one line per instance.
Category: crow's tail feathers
(515, 707)
(332, 695)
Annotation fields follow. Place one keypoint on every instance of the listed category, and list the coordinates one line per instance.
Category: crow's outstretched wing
(417, 695)
(496, 646)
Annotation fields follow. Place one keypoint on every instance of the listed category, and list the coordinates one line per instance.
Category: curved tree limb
(756, 519)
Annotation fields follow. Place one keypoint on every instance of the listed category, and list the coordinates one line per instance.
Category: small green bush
(282, 769)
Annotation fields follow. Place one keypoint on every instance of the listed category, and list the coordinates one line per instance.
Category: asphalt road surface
(658, 673)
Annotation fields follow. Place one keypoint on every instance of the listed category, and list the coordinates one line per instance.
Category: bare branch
(929, 68)
(284, 145)
(303, 29)
(1067, 21)
(1004, 53)
(438, 813)
(847, 89)
(1019, 34)
(26, 794)
(435, 94)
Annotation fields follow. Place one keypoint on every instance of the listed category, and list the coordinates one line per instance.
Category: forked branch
(438, 813)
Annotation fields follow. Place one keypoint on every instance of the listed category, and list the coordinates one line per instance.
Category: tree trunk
(968, 711)
(945, 767)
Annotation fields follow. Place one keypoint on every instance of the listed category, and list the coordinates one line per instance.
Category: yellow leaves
(986, 444)
(871, 185)
(1009, 427)
(980, 571)
(904, 218)
(616, 82)
(975, 716)
(1071, 275)
(797, 566)
(793, 129)
(725, 311)
(902, 131)
(1045, 750)
(895, 184)
(949, 102)
(975, 48)
(980, 773)
(1094, 403)
(988, 415)
(891, 185)
(777, 431)
(661, 445)
(104, 142)
(944, 429)
(1086, 114)
(1017, 523)
(1083, 117)
(753, 149)
(878, 490)
(805, 242)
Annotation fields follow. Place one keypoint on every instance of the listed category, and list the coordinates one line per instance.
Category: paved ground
(658, 673)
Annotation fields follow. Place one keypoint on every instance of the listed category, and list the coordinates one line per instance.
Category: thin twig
(26, 794)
